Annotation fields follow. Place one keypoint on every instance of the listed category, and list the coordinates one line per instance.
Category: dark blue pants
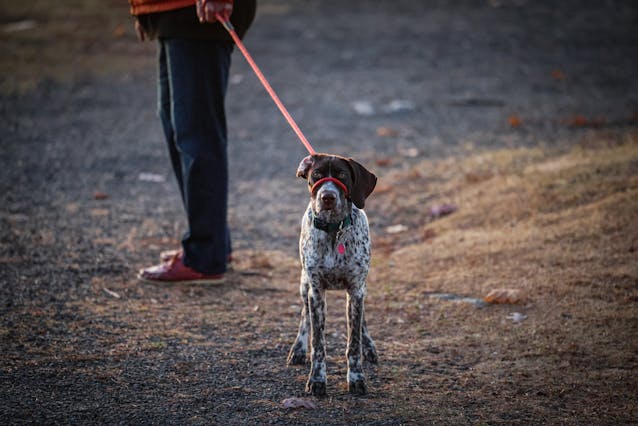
(193, 77)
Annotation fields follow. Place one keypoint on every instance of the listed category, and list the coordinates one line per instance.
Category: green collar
(331, 226)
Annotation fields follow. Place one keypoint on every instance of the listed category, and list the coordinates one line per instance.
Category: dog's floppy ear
(304, 167)
(363, 183)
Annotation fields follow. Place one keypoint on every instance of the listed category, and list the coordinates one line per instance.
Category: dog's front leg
(299, 350)
(355, 309)
(317, 308)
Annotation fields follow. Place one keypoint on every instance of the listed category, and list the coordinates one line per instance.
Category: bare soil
(519, 115)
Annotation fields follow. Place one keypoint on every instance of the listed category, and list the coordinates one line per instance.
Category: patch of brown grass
(560, 228)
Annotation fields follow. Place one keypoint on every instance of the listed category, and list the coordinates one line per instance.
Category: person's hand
(208, 9)
(141, 35)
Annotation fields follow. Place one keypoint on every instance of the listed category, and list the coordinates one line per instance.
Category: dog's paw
(297, 358)
(316, 388)
(358, 387)
(370, 355)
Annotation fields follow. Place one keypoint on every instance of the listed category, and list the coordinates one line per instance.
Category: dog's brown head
(354, 181)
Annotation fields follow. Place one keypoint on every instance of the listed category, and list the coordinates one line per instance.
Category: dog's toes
(296, 358)
(316, 388)
(371, 356)
(358, 388)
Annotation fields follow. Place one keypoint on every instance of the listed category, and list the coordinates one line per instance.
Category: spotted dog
(334, 247)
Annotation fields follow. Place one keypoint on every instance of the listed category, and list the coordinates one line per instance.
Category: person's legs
(193, 116)
(165, 113)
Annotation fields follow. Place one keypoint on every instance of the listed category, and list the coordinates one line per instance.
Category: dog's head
(334, 181)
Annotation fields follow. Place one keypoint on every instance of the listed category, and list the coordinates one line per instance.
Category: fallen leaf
(558, 75)
(582, 121)
(510, 296)
(387, 132)
(515, 121)
(99, 195)
(295, 402)
(577, 121)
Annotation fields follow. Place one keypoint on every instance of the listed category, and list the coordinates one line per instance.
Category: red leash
(264, 82)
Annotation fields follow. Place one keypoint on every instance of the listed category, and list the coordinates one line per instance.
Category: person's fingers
(210, 12)
(207, 10)
(200, 11)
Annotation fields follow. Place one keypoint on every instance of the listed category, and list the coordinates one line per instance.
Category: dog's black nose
(328, 197)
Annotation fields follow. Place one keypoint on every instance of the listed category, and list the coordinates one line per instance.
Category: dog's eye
(316, 174)
(342, 175)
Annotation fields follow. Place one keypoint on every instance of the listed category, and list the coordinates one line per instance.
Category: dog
(334, 247)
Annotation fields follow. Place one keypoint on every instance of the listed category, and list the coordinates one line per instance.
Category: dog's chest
(336, 261)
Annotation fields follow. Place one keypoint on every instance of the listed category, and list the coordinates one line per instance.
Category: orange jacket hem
(142, 7)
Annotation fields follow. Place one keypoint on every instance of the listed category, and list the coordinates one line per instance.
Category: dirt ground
(519, 118)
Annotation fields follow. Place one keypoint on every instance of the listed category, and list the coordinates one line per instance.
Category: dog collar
(336, 181)
(331, 226)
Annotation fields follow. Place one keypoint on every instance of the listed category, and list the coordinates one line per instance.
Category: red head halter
(336, 181)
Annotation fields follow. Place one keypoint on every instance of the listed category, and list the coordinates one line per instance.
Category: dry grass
(561, 228)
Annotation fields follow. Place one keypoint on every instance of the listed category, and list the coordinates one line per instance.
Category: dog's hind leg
(299, 350)
(367, 344)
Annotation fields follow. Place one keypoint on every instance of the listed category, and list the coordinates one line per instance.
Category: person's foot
(167, 255)
(175, 272)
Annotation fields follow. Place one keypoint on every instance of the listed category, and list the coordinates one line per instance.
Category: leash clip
(343, 227)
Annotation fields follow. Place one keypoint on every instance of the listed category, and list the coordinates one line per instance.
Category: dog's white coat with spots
(334, 247)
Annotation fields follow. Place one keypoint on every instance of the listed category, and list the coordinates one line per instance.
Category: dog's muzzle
(326, 192)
